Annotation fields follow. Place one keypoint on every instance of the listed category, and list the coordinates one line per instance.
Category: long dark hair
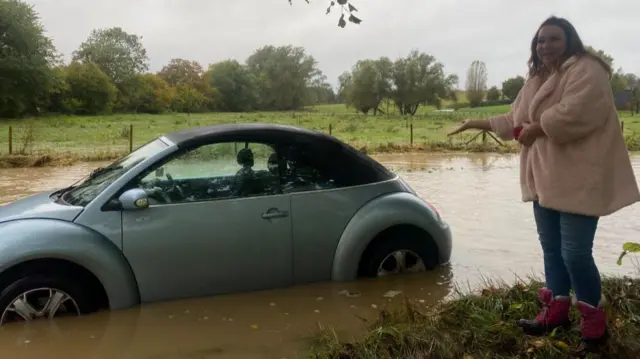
(574, 46)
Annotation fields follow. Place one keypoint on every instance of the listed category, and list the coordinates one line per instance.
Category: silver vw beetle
(213, 210)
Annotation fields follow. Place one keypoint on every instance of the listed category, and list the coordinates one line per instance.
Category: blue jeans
(567, 243)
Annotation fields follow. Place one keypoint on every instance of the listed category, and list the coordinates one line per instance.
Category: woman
(574, 167)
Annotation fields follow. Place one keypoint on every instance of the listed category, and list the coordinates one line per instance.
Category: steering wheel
(173, 186)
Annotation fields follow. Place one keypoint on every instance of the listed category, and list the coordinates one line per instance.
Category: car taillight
(433, 208)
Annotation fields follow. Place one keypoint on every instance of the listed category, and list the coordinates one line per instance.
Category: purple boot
(594, 327)
(554, 314)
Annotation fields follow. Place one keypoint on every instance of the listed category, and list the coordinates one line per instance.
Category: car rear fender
(400, 208)
(32, 239)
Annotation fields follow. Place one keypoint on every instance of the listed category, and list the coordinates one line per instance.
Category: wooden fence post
(330, 129)
(130, 138)
(622, 125)
(411, 135)
(10, 140)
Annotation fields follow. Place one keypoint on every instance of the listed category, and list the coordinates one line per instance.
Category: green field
(106, 137)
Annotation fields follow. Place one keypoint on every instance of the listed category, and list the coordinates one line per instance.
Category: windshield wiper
(93, 174)
(100, 170)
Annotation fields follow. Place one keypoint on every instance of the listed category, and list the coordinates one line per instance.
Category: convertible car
(213, 210)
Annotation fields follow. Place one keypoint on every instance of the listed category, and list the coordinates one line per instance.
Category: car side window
(214, 172)
(303, 171)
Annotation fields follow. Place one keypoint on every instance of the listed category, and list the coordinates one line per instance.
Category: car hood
(39, 205)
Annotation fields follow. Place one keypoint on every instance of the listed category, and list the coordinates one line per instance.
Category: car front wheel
(399, 255)
(41, 296)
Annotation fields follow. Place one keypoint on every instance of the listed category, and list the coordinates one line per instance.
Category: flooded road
(494, 235)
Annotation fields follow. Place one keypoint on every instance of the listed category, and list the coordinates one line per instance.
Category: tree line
(109, 72)
(419, 79)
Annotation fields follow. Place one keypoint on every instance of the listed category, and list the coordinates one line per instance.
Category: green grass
(483, 326)
(71, 138)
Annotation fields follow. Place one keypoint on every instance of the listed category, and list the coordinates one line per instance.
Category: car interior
(286, 170)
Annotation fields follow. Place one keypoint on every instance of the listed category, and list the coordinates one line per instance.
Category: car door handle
(274, 213)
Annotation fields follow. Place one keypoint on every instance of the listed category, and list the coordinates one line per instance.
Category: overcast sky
(456, 32)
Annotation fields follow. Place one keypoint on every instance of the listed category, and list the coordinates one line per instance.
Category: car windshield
(91, 186)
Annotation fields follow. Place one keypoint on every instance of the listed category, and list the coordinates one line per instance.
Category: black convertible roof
(201, 135)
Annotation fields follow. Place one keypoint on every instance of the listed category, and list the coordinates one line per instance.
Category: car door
(324, 197)
(203, 237)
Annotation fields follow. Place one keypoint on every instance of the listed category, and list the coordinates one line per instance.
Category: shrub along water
(483, 325)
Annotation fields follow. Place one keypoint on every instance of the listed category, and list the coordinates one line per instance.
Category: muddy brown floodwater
(494, 236)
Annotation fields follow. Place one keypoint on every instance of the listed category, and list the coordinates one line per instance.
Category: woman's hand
(470, 124)
(530, 133)
(463, 127)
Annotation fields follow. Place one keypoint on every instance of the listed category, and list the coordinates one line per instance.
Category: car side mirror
(160, 172)
(133, 199)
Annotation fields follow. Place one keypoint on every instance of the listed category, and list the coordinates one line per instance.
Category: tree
(283, 75)
(512, 86)
(619, 81)
(182, 72)
(153, 94)
(90, 89)
(236, 86)
(633, 86)
(120, 55)
(601, 54)
(618, 78)
(476, 82)
(367, 85)
(321, 93)
(346, 7)
(493, 94)
(26, 57)
(188, 99)
(420, 79)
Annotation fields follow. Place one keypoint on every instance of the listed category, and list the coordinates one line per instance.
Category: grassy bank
(483, 326)
(59, 140)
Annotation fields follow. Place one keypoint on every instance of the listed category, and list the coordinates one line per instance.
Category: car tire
(78, 304)
(412, 246)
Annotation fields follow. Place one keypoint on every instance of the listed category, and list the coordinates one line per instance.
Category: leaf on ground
(561, 344)
(538, 344)
(515, 306)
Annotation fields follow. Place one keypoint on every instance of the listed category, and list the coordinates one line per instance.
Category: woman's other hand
(530, 133)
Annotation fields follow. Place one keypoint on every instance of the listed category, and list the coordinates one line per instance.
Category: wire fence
(117, 135)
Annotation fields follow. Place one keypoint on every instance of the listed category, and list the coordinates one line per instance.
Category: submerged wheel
(399, 252)
(42, 296)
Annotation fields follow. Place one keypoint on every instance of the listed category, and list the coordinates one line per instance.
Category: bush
(90, 90)
(494, 103)
(484, 326)
(458, 105)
